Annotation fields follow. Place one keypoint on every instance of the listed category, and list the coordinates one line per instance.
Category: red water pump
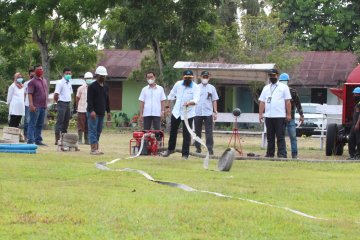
(153, 140)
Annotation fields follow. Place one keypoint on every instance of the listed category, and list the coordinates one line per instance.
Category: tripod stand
(235, 137)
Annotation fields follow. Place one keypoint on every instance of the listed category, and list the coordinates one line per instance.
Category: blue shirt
(208, 94)
(183, 94)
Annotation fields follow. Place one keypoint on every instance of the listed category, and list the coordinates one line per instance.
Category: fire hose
(104, 166)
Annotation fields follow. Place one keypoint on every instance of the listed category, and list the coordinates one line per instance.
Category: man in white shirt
(62, 96)
(152, 103)
(27, 109)
(206, 112)
(275, 100)
(187, 94)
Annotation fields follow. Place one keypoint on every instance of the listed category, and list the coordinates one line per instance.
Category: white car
(313, 119)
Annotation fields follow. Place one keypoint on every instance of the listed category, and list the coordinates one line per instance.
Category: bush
(4, 113)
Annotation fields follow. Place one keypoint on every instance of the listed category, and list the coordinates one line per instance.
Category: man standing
(62, 96)
(354, 136)
(38, 97)
(27, 111)
(275, 100)
(291, 125)
(81, 105)
(187, 94)
(152, 103)
(97, 103)
(206, 112)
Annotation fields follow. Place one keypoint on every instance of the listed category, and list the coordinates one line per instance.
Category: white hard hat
(88, 75)
(101, 70)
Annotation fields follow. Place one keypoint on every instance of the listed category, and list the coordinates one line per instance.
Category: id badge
(269, 100)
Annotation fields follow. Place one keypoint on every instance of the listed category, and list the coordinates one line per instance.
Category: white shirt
(25, 86)
(183, 94)
(152, 98)
(64, 89)
(208, 94)
(274, 96)
(15, 100)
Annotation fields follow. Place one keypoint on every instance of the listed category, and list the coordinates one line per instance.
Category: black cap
(188, 73)
(205, 73)
(273, 71)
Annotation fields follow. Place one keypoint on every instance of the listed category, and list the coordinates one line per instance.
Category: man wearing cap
(275, 102)
(97, 103)
(152, 103)
(291, 125)
(62, 98)
(187, 94)
(206, 112)
(81, 105)
(354, 136)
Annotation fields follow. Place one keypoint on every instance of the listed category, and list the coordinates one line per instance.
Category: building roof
(234, 74)
(120, 63)
(322, 68)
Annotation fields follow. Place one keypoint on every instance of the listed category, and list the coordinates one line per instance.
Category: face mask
(150, 81)
(204, 80)
(67, 77)
(284, 82)
(357, 99)
(102, 79)
(89, 81)
(273, 80)
(187, 82)
(20, 80)
(39, 72)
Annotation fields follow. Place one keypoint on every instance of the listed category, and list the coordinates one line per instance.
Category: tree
(48, 23)
(173, 29)
(320, 25)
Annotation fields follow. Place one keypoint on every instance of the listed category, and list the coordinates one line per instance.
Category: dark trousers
(15, 120)
(175, 122)
(151, 120)
(276, 127)
(354, 142)
(63, 117)
(208, 122)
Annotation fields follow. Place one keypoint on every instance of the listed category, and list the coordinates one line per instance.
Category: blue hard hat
(357, 90)
(284, 77)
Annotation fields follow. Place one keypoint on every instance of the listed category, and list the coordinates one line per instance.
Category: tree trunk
(158, 55)
(44, 50)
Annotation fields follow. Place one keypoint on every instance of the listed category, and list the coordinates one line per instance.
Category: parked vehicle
(313, 119)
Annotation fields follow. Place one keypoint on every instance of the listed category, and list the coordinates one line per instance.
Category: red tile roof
(322, 69)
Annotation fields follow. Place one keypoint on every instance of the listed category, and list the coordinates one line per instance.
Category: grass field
(56, 195)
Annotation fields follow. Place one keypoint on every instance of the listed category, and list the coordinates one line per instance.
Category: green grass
(55, 195)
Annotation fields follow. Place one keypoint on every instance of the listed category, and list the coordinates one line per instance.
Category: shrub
(4, 113)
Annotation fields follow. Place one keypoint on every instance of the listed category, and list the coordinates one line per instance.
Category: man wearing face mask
(62, 97)
(97, 103)
(152, 103)
(187, 94)
(275, 102)
(206, 112)
(354, 136)
(15, 100)
(27, 110)
(81, 105)
(38, 98)
(291, 125)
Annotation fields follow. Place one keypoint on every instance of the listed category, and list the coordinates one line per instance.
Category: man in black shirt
(97, 104)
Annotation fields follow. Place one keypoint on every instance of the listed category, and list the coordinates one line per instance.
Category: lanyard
(272, 91)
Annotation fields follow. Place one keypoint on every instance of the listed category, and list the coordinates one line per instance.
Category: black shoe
(294, 156)
(41, 144)
(269, 156)
(198, 150)
(167, 153)
(185, 157)
(211, 153)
